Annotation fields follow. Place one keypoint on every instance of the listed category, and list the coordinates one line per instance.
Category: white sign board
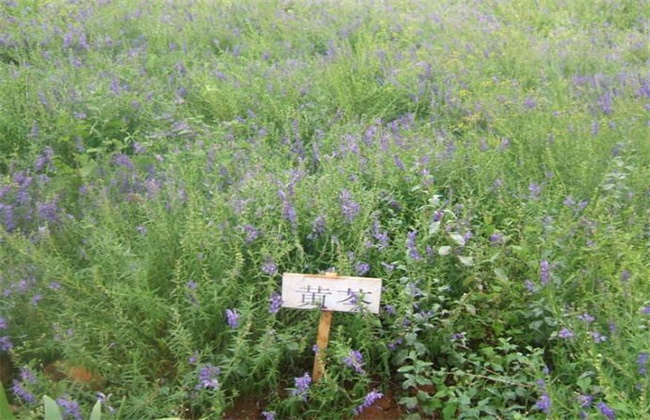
(331, 293)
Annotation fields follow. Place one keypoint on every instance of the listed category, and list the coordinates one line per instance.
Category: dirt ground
(386, 408)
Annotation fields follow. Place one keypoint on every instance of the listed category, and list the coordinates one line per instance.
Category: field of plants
(163, 163)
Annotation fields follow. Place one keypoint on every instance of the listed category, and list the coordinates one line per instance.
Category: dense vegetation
(163, 163)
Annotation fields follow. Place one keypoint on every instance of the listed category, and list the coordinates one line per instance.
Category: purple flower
(645, 310)
(586, 318)
(594, 128)
(457, 336)
(318, 226)
(251, 234)
(269, 267)
(22, 393)
(530, 286)
(390, 309)
(3, 324)
(544, 272)
(47, 211)
(268, 415)
(496, 239)
(383, 240)
(388, 267)
(25, 285)
(605, 103)
(625, 275)
(208, 377)
(569, 201)
(393, 346)
(362, 268)
(411, 247)
(275, 302)
(123, 160)
(70, 408)
(232, 318)
(565, 333)
(44, 160)
(544, 404)
(585, 400)
(103, 399)
(530, 103)
(354, 360)
(5, 343)
(606, 410)
(288, 209)
(535, 190)
(598, 337)
(613, 329)
(349, 207)
(302, 384)
(642, 361)
(369, 400)
(398, 163)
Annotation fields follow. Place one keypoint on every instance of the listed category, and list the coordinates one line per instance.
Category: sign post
(329, 293)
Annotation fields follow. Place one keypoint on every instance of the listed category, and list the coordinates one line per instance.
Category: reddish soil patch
(61, 369)
(6, 369)
(250, 408)
(386, 408)
(245, 408)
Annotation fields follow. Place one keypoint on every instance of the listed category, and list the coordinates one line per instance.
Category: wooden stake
(324, 324)
(321, 343)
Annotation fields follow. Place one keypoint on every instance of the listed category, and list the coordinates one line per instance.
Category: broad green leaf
(458, 239)
(410, 402)
(96, 414)
(501, 275)
(52, 411)
(434, 227)
(466, 260)
(406, 368)
(5, 411)
(449, 412)
(444, 250)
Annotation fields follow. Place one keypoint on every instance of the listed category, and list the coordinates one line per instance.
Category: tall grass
(163, 163)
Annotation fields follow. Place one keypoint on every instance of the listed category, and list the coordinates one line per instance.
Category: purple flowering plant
(489, 166)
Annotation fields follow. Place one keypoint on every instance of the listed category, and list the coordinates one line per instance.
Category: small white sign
(332, 293)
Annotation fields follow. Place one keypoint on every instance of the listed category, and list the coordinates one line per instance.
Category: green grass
(161, 163)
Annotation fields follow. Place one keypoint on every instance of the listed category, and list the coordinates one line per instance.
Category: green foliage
(51, 409)
(5, 410)
(162, 166)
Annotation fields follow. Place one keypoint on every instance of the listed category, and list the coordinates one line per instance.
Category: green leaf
(52, 411)
(406, 368)
(501, 275)
(96, 414)
(444, 250)
(410, 402)
(449, 412)
(458, 239)
(466, 260)
(421, 380)
(5, 411)
(434, 227)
